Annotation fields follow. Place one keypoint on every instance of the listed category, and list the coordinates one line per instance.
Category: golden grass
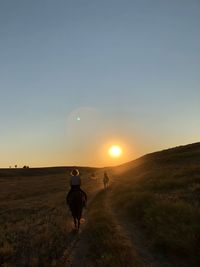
(161, 197)
(35, 224)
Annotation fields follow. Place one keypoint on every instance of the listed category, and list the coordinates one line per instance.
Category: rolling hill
(149, 217)
(160, 195)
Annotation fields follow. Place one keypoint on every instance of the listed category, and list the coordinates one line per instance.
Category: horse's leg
(75, 224)
(79, 217)
(78, 223)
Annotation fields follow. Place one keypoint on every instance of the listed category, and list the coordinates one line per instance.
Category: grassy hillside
(35, 227)
(160, 195)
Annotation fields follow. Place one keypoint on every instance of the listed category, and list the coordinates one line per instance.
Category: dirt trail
(76, 254)
(132, 236)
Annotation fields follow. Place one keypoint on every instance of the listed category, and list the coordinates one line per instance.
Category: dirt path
(138, 242)
(130, 233)
(77, 254)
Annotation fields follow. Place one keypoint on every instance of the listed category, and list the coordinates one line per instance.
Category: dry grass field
(35, 224)
(154, 199)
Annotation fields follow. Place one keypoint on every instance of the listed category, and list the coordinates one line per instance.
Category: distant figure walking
(105, 180)
(76, 197)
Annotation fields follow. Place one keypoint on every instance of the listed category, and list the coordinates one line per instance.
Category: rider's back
(75, 180)
(75, 183)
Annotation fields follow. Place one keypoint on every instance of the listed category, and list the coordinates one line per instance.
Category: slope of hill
(160, 195)
(154, 199)
(173, 156)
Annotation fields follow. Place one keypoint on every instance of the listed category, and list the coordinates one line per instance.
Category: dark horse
(105, 181)
(76, 203)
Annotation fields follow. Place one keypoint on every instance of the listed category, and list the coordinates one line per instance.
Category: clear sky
(77, 76)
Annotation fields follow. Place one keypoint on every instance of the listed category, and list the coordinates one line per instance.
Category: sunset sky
(79, 76)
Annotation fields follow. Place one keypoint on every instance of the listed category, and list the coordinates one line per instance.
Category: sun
(115, 151)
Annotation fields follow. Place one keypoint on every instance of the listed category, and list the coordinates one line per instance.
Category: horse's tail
(76, 203)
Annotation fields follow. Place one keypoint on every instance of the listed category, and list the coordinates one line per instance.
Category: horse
(76, 203)
(105, 181)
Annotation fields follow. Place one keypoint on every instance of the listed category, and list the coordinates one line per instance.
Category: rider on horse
(105, 180)
(75, 183)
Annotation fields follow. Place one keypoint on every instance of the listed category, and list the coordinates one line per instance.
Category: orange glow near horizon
(114, 151)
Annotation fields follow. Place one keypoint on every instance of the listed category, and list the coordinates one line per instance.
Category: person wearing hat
(75, 183)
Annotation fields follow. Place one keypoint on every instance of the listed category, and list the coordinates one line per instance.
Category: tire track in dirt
(125, 237)
(133, 237)
(128, 257)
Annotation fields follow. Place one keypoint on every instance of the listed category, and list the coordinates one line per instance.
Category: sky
(79, 76)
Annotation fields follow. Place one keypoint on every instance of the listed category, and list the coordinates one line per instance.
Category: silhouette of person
(75, 183)
(105, 180)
